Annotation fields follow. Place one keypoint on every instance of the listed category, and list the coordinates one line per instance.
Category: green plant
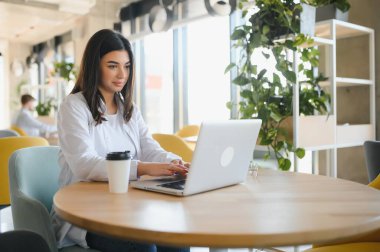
(267, 94)
(43, 109)
(65, 70)
(342, 5)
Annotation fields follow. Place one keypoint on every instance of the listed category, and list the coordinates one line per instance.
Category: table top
(274, 209)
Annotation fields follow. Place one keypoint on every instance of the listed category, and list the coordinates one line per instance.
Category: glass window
(158, 68)
(208, 56)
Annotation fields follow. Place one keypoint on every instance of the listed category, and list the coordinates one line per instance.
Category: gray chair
(372, 158)
(22, 241)
(8, 133)
(33, 178)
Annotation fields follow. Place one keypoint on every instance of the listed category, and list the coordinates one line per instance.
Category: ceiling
(35, 21)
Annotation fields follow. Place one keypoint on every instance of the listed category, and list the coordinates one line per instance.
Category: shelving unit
(329, 133)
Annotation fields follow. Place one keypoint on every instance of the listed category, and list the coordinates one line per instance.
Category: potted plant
(65, 70)
(44, 108)
(330, 9)
(267, 94)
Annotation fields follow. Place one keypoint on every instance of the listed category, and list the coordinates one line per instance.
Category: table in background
(274, 209)
(191, 141)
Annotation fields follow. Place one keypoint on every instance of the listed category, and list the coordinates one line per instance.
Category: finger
(176, 161)
(181, 166)
(178, 168)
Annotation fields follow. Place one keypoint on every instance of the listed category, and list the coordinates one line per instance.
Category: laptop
(221, 158)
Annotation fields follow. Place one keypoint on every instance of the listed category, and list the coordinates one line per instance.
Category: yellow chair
(188, 131)
(368, 243)
(20, 131)
(174, 144)
(7, 146)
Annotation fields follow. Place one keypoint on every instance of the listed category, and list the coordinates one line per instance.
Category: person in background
(99, 117)
(26, 121)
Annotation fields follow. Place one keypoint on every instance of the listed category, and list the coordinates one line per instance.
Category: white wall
(4, 85)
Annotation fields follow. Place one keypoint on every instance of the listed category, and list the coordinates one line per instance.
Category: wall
(4, 87)
(17, 52)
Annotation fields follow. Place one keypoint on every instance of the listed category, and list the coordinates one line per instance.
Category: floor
(6, 224)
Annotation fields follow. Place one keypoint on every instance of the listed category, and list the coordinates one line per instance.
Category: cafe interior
(312, 181)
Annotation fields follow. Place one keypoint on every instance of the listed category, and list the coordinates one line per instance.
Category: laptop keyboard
(177, 185)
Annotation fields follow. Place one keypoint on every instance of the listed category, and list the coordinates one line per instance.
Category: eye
(127, 66)
(112, 66)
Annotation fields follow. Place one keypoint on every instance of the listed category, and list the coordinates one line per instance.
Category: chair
(188, 131)
(22, 241)
(368, 243)
(20, 131)
(33, 176)
(7, 146)
(372, 158)
(8, 133)
(174, 144)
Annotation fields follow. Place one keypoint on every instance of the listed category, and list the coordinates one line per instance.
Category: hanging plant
(65, 70)
(273, 31)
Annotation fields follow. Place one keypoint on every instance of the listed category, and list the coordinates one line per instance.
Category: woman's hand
(161, 169)
(180, 162)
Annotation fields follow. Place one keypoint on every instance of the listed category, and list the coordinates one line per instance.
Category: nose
(122, 73)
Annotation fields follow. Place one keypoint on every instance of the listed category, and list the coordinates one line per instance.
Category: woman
(99, 117)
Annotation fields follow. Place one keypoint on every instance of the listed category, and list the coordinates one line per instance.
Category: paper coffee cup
(118, 169)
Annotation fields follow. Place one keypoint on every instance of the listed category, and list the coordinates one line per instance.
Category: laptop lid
(221, 158)
(222, 155)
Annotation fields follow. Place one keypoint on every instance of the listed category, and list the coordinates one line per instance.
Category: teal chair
(33, 178)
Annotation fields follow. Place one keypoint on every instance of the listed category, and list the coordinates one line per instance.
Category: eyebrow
(114, 62)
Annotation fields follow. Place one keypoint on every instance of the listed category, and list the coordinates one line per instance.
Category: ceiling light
(220, 7)
(160, 18)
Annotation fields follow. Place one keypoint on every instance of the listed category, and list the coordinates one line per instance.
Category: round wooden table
(274, 209)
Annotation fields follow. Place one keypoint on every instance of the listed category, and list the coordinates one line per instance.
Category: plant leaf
(229, 67)
(300, 153)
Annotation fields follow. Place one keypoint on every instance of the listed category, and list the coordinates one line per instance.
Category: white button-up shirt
(84, 146)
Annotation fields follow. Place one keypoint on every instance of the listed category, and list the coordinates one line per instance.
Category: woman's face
(114, 71)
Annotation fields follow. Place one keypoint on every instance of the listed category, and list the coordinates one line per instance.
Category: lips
(118, 83)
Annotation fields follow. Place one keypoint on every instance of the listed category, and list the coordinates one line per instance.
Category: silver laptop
(221, 158)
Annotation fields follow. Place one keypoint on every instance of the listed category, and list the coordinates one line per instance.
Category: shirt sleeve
(31, 122)
(76, 143)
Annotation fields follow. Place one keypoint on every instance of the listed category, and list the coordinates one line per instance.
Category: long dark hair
(101, 43)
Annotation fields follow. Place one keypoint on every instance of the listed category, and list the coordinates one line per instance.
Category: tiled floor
(6, 224)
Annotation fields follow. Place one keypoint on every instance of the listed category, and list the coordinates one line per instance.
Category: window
(208, 56)
(158, 68)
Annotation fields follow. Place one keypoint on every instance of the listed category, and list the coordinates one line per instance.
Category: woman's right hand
(160, 169)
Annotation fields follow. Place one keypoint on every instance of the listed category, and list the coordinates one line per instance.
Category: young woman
(99, 117)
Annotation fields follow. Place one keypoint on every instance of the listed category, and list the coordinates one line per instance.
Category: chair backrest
(188, 131)
(20, 131)
(33, 175)
(174, 144)
(8, 133)
(372, 158)
(7, 146)
(22, 240)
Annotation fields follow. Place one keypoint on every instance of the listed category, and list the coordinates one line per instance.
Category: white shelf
(315, 133)
(352, 81)
(353, 135)
(343, 29)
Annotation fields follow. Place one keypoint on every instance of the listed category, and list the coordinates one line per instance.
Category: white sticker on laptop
(227, 156)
